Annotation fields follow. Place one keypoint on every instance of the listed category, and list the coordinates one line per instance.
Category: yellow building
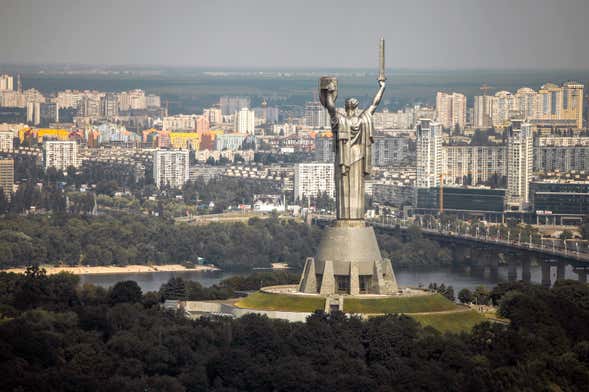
(40, 133)
(185, 140)
(557, 103)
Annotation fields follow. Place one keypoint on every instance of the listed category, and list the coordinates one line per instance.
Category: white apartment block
(503, 103)
(429, 153)
(482, 112)
(520, 159)
(180, 122)
(401, 119)
(562, 153)
(6, 83)
(214, 115)
(6, 141)
(389, 150)
(478, 162)
(313, 179)
(153, 101)
(171, 167)
(132, 100)
(316, 116)
(60, 154)
(244, 121)
(451, 109)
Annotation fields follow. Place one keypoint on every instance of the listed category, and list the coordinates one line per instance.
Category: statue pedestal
(348, 261)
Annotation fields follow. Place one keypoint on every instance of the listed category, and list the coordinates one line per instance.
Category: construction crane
(485, 89)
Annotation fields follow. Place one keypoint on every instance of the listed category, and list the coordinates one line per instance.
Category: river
(458, 279)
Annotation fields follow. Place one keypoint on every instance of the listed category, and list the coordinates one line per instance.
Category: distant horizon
(251, 68)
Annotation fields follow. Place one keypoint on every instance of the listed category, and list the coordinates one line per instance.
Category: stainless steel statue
(348, 260)
(353, 137)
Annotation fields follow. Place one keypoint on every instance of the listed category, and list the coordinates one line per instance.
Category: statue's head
(351, 105)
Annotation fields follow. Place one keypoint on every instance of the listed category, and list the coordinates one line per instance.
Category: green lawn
(451, 322)
(287, 303)
(417, 304)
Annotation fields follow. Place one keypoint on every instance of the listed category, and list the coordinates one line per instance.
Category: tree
(465, 296)
(566, 235)
(482, 295)
(125, 291)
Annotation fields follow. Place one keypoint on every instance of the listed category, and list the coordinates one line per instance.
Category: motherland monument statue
(348, 260)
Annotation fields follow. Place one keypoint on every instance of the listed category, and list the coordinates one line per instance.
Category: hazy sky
(298, 33)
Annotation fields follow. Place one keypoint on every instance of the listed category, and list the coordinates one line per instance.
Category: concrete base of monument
(348, 260)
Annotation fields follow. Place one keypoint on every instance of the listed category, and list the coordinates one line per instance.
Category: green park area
(450, 322)
(414, 304)
(286, 303)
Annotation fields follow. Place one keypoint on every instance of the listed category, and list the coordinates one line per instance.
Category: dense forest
(135, 239)
(124, 239)
(58, 336)
(415, 251)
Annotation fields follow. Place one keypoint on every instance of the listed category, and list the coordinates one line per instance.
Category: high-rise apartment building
(89, 106)
(132, 100)
(244, 121)
(109, 105)
(230, 105)
(214, 115)
(201, 123)
(520, 160)
(324, 149)
(561, 153)
(42, 113)
(180, 122)
(389, 150)
(475, 163)
(170, 168)
(552, 105)
(7, 176)
(503, 104)
(60, 154)
(451, 110)
(482, 111)
(6, 83)
(429, 153)
(314, 179)
(401, 119)
(6, 141)
(153, 101)
(316, 116)
(526, 102)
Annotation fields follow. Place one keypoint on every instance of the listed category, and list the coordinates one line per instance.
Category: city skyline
(452, 35)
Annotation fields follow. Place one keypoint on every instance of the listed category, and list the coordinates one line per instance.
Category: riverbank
(113, 269)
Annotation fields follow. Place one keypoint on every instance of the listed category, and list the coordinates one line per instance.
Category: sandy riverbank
(82, 270)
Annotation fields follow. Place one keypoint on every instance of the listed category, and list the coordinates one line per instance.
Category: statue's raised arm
(381, 80)
(377, 98)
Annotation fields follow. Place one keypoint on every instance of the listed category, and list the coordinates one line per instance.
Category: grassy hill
(417, 304)
(287, 303)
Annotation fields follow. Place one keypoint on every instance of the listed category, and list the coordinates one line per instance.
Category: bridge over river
(486, 249)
